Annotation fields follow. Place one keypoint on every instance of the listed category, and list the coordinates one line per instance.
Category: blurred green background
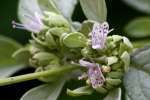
(119, 14)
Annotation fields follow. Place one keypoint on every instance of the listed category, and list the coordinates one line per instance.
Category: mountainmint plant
(59, 51)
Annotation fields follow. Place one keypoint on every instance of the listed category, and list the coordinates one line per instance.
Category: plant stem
(31, 76)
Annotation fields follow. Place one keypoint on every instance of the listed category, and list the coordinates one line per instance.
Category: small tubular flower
(95, 74)
(35, 24)
(99, 34)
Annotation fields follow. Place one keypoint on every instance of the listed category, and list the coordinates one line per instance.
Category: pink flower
(99, 35)
(35, 24)
(95, 74)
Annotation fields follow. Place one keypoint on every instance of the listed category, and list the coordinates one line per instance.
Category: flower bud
(43, 59)
(52, 19)
(125, 57)
(108, 86)
(111, 60)
(113, 82)
(116, 38)
(106, 69)
(86, 52)
(49, 39)
(101, 90)
(117, 65)
(115, 75)
(75, 40)
(101, 60)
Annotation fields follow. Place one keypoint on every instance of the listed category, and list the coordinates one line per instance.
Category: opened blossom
(34, 24)
(94, 73)
(99, 34)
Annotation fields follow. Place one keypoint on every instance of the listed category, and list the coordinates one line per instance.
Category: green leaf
(86, 90)
(141, 58)
(22, 55)
(8, 65)
(141, 43)
(94, 9)
(114, 95)
(138, 28)
(136, 83)
(49, 91)
(75, 40)
(66, 7)
(142, 5)
(137, 79)
(27, 8)
(30, 7)
(47, 5)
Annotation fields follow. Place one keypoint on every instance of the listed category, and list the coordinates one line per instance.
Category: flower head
(95, 74)
(99, 35)
(35, 24)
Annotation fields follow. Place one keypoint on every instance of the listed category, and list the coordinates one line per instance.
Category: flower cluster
(102, 59)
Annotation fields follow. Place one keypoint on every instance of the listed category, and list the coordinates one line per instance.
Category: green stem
(31, 76)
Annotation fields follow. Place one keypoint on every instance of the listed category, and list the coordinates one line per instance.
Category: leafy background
(119, 15)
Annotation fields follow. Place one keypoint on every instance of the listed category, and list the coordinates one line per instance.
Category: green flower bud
(115, 75)
(111, 60)
(86, 52)
(101, 90)
(106, 69)
(117, 65)
(58, 31)
(125, 57)
(52, 19)
(34, 47)
(75, 40)
(108, 86)
(101, 60)
(127, 42)
(122, 48)
(49, 39)
(113, 82)
(116, 38)
(43, 59)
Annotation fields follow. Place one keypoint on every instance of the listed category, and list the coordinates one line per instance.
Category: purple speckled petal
(96, 76)
(94, 73)
(99, 35)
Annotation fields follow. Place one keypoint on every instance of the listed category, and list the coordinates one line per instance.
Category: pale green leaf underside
(94, 9)
(29, 7)
(66, 7)
(49, 91)
(137, 79)
(137, 84)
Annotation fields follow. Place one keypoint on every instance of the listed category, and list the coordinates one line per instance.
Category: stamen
(34, 25)
(17, 25)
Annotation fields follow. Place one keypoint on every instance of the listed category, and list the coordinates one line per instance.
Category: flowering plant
(61, 50)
